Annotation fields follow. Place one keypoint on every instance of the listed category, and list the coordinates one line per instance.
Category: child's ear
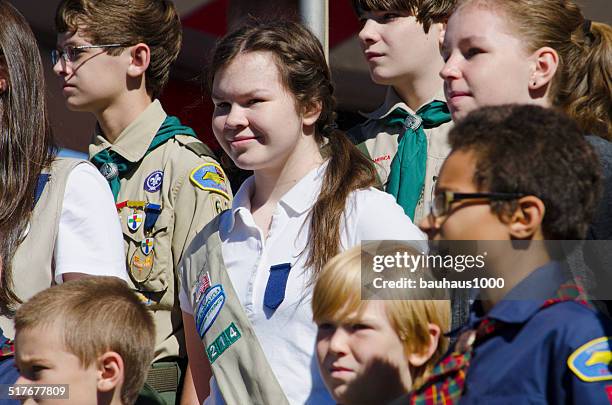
(111, 369)
(418, 359)
(312, 113)
(140, 58)
(442, 34)
(545, 64)
(526, 221)
(3, 85)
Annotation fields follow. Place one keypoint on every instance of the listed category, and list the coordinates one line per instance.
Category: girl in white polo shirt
(247, 278)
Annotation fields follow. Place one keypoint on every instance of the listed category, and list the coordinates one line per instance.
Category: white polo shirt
(287, 335)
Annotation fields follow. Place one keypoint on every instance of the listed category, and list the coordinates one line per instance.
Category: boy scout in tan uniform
(406, 137)
(181, 183)
(114, 62)
(378, 140)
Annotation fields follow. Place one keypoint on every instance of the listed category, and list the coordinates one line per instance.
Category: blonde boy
(375, 351)
(93, 335)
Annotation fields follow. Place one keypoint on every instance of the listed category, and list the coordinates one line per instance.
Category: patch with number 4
(223, 342)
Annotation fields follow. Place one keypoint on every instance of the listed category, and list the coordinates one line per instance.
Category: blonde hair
(337, 295)
(94, 315)
(583, 82)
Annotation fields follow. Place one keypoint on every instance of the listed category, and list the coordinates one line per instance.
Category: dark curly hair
(534, 151)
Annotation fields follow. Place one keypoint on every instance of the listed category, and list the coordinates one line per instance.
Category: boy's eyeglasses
(70, 53)
(441, 203)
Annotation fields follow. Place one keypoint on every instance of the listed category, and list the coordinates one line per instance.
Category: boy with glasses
(517, 178)
(113, 61)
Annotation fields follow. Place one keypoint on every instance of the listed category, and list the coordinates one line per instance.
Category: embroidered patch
(202, 285)
(134, 221)
(591, 361)
(141, 266)
(210, 177)
(154, 181)
(227, 338)
(208, 308)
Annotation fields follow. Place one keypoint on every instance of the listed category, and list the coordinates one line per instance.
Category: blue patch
(210, 177)
(591, 361)
(208, 308)
(154, 181)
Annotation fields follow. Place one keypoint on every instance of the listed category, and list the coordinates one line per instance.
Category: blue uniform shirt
(527, 360)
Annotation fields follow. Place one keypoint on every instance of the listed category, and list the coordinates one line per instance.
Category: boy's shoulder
(574, 324)
(374, 123)
(187, 156)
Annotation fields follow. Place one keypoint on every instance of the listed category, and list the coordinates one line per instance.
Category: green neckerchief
(407, 177)
(170, 128)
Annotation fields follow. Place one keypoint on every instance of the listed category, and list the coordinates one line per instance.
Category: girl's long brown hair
(304, 71)
(26, 145)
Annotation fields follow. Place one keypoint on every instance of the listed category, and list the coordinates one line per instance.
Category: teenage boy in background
(114, 61)
(407, 135)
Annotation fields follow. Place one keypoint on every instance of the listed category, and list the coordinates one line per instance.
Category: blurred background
(203, 22)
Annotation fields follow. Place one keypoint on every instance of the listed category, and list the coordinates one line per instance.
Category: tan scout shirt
(379, 141)
(185, 209)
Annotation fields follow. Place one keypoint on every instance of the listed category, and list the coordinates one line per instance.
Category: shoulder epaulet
(196, 146)
(200, 149)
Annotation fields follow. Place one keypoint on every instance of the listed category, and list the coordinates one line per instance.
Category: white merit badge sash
(237, 359)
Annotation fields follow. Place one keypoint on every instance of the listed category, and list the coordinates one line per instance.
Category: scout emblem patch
(154, 181)
(146, 246)
(208, 308)
(591, 361)
(141, 266)
(210, 177)
(134, 221)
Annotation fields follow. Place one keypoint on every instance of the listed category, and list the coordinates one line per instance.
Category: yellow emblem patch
(210, 177)
(591, 361)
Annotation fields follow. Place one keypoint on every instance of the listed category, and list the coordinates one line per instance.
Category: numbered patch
(591, 361)
(223, 342)
(154, 181)
(208, 308)
(210, 177)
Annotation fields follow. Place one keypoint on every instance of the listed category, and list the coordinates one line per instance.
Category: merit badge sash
(237, 359)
